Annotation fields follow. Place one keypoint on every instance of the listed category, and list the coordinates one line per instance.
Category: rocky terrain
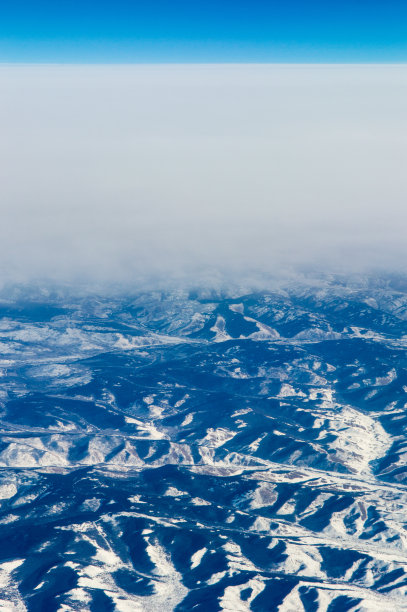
(205, 449)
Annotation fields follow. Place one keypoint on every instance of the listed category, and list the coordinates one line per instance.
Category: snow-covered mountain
(205, 449)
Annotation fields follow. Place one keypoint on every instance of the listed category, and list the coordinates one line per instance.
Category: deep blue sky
(203, 31)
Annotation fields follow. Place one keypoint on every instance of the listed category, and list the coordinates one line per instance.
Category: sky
(90, 31)
(170, 139)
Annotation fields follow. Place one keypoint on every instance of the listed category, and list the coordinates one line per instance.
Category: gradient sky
(221, 158)
(83, 31)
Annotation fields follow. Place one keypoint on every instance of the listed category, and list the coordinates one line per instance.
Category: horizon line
(201, 63)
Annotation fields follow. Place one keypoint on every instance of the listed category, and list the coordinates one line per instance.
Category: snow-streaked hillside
(205, 450)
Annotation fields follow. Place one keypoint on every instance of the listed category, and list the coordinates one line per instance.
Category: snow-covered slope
(205, 450)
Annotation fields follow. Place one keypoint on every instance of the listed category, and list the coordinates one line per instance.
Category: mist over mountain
(117, 172)
(203, 331)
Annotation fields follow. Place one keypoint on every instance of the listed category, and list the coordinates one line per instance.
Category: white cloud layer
(107, 172)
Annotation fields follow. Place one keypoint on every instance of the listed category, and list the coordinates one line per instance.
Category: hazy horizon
(112, 172)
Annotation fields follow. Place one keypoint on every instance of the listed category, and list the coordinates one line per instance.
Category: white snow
(197, 557)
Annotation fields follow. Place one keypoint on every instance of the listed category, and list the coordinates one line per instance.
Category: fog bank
(112, 172)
